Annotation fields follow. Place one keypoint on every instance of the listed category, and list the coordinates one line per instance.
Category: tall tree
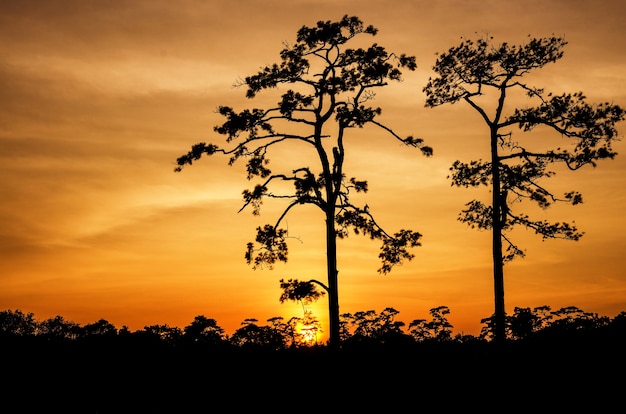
(488, 77)
(329, 89)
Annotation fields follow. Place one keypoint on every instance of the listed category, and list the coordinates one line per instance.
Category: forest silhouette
(328, 89)
(563, 358)
(532, 359)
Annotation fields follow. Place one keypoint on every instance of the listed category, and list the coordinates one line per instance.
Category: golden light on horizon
(100, 99)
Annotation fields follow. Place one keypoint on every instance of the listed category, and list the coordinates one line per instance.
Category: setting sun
(101, 98)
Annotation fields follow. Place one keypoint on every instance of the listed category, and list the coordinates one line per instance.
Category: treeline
(361, 329)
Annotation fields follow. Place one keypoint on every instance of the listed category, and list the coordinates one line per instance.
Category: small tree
(330, 87)
(369, 327)
(525, 322)
(17, 323)
(438, 328)
(58, 329)
(484, 76)
(99, 329)
(203, 330)
(163, 333)
(251, 335)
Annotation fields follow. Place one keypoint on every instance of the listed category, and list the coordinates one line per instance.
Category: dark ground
(578, 376)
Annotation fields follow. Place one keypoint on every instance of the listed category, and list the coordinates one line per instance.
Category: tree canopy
(486, 76)
(330, 88)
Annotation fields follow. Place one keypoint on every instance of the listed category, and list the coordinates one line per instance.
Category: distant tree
(372, 327)
(617, 327)
(17, 323)
(290, 332)
(419, 329)
(438, 328)
(100, 328)
(286, 331)
(390, 330)
(124, 331)
(331, 86)
(525, 321)
(572, 318)
(169, 335)
(203, 330)
(620, 321)
(252, 335)
(441, 328)
(363, 323)
(58, 329)
(484, 75)
(310, 328)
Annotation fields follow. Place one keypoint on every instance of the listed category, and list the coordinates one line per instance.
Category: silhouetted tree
(304, 293)
(58, 329)
(203, 330)
(286, 331)
(572, 318)
(17, 323)
(438, 328)
(252, 335)
(619, 321)
(370, 327)
(331, 86)
(525, 321)
(484, 75)
(419, 329)
(168, 335)
(100, 328)
(310, 328)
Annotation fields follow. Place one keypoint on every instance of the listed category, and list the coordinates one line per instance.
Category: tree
(162, 333)
(253, 336)
(17, 323)
(369, 327)
(525, 322)
(438, 328)
(99, 332)
(304, 292)
(330, 87)
(58, 329)
(203, 330)
(572, 318)
(484, 75)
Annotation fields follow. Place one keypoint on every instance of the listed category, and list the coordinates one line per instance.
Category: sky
(98, 100)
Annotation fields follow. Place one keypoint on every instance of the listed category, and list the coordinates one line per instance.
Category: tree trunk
(333, 290)
(497, 223)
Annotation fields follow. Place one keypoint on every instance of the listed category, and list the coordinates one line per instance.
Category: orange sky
(100, 98)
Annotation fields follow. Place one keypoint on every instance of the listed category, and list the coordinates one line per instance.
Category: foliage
(17, 323)
(299, 291)
(489, 78)
(163, 333)
(58, 329)
(341, 88)
(466, 72)
(361, 329)
(203, 330)
(329, 90)
(438, 329)
(251, 335)
(370, 327)
(526, 323)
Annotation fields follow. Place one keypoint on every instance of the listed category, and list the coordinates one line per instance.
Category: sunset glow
(100, 98)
